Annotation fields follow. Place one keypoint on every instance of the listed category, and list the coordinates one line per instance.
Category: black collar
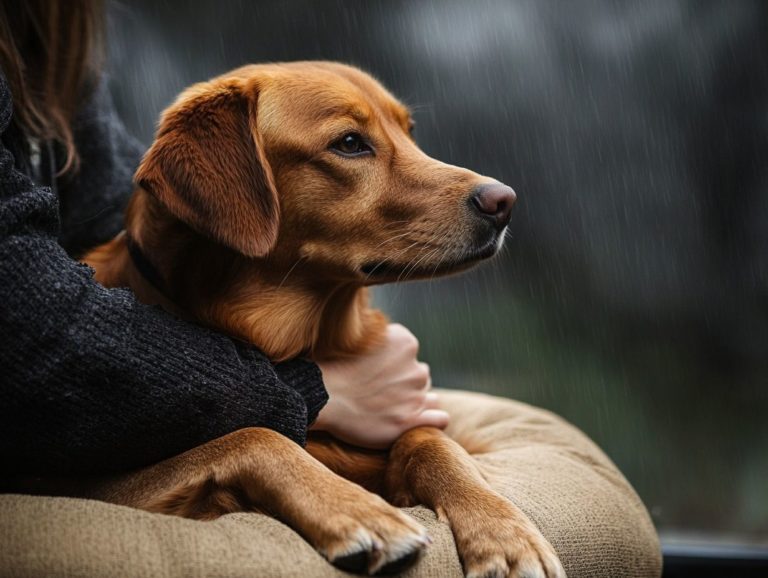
(144, 265)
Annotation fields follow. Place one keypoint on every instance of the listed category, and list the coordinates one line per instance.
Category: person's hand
(375, 397)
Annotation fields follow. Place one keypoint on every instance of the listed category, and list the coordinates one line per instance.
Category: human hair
(49, 51)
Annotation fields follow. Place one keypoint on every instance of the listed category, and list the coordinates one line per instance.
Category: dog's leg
(259, 469)
(361, 466)
(494, 538)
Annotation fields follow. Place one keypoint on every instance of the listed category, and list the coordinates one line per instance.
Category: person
(93, 381)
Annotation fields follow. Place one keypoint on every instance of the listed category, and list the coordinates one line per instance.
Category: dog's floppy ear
(207, 167)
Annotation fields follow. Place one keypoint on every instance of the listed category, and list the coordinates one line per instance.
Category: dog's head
(315, 163)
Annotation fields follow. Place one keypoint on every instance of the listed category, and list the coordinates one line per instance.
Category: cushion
(552, 471)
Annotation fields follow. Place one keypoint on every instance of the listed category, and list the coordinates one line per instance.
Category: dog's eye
(351, 145)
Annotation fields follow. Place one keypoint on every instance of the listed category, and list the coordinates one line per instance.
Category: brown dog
(272, 196)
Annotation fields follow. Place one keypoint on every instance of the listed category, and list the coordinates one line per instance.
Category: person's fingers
(431, 401)
(403, 339)
(412, 380)
(433, 418)
(425, 377)
(410, 408)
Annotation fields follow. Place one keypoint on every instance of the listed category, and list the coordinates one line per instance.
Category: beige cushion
(568, 487)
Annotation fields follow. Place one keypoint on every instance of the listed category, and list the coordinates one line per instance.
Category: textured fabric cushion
(552, 471)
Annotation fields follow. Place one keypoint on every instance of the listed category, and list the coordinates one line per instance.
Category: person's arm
(92, 381)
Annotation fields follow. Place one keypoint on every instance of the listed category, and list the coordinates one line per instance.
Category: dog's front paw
(359, 532)
(496, 540)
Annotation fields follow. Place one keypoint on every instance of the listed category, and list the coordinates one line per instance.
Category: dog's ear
(207, 167)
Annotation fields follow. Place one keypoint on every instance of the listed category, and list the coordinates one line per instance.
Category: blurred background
(632, 296)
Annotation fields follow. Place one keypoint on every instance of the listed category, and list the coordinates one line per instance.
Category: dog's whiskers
(440, 248)
(383, 261)
(421, 255)
(426, 257)
(439, 262)
(392, 239)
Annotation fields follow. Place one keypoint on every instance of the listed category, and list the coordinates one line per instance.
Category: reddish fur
(207, 168)
(283, 271)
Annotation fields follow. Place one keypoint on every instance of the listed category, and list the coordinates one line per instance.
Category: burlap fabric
(568, 487)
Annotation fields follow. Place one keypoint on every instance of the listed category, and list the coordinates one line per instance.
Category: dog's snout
(494, 201)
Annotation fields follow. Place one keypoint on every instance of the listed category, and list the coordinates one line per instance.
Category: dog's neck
(285, 313)
(297, 318)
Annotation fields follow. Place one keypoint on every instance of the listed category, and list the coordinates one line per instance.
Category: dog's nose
(495, 201)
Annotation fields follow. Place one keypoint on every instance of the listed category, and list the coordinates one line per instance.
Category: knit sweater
(92, 381)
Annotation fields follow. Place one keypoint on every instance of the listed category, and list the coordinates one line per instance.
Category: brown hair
(48, 50)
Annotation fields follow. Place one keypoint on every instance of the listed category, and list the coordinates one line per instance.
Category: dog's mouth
(439, 265)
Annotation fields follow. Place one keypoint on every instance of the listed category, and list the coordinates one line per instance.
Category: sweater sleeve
(91, 381)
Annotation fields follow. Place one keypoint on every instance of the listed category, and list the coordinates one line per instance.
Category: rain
(632, 294)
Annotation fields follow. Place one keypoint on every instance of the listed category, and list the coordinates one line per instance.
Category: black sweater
(92, 381)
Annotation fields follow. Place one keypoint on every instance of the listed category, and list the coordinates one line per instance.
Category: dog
(272, 197)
